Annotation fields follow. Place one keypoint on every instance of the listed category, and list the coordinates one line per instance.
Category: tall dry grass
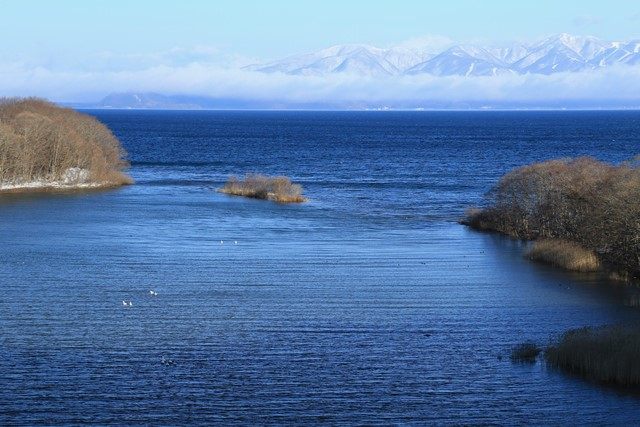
(278, 189)
(562, 253)
(585, 201)
(41, 142)
(607, 354)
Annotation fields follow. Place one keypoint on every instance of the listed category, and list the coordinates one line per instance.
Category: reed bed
(277, 188)
(565, 254)
(608, 354)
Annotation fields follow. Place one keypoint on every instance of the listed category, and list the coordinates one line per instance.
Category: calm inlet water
(369, 304)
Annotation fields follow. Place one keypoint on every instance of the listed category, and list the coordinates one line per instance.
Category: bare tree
(583, 200)
(40, 141)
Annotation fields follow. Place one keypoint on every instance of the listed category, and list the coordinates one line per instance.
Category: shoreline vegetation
(564, 254)
(44, 147)
(278, 189)
(582, 214)
(604, 354)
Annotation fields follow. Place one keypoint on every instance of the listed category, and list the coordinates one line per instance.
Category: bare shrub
(41, 142)
(278, 189)
(562, 253)
(583, 200)
(607, 354)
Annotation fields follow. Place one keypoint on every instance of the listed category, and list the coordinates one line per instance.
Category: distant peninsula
(47, 147)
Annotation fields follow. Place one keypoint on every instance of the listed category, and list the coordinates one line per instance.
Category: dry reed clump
(41, 143)
(525, 352)
(278, 189)
(562, 253)
(591, 203)
(607, 354)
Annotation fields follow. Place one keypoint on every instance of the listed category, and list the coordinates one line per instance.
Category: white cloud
(617, 83)
(209, 71)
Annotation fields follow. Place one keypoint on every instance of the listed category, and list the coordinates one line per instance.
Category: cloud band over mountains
(614, 85)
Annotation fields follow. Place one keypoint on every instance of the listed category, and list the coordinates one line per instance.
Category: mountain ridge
(559, 53)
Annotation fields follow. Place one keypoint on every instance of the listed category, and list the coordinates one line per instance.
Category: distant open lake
(368, 304)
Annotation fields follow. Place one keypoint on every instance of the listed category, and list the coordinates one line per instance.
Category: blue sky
(82, 50)
(269, 29)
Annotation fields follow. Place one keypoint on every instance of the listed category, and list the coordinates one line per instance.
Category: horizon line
(365, 110)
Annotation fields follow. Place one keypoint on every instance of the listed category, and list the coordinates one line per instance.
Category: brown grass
(562, 253)
(41, 142)
(609, 354)
(278, 189)
(591, 203)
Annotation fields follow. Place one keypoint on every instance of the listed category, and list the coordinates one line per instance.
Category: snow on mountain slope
(462, 61)
(622, 53)
(359, 59)
(403, 58)
(550, 59)
(559, 53)
(509, 54)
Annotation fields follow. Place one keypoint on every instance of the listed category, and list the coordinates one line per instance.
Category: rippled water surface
(369, 304)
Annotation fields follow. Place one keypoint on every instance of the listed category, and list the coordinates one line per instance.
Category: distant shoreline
(84, 107)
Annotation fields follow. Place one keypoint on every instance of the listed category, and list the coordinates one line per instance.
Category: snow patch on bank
(72, 178)
(75, 176)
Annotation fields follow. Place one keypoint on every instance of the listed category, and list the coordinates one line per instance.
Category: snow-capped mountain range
(559, 53)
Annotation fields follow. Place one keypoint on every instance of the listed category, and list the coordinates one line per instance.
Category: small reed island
(278, 189)
(582, 214)
(46, 147)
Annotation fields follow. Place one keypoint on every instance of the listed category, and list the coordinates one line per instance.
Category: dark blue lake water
(367, 305)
